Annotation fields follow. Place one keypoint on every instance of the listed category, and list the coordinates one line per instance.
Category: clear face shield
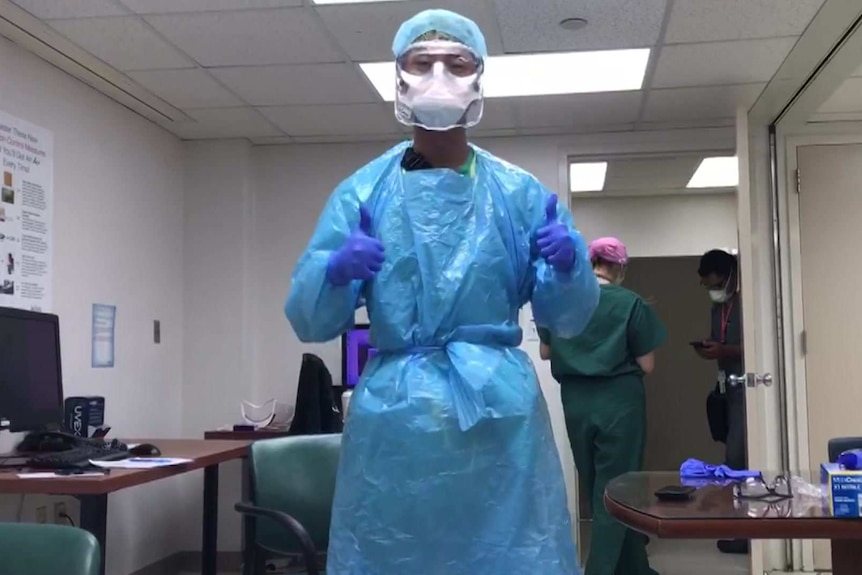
(439, 86)
(258, 415)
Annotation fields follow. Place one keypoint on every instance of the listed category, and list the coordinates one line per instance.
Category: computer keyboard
(76, 458)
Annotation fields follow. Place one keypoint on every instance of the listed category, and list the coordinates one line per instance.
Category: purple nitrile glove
(360, 258)
(555, 243)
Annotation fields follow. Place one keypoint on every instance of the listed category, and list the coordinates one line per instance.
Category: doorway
(676, 394)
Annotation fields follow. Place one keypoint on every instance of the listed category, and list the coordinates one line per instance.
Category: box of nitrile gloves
(842, 489)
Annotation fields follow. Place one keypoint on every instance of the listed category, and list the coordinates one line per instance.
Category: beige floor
(687, 557)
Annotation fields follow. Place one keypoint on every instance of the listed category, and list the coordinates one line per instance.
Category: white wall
(662, 226)
(118, 239)
(218, 368)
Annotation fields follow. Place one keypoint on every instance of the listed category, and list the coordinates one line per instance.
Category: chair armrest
(309, 552)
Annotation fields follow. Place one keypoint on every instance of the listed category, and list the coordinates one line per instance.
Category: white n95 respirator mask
(439, 86)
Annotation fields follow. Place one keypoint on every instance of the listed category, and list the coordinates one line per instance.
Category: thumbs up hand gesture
(555, 243)
(361, 256)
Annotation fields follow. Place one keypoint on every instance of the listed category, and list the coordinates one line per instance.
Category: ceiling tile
(835, 117)
(341, 120)
(650, 173)
(184, 89)
(252, 38)
(298, 85)
(125, 43)
(711, 20)
(693, 103)
(712, 63)
(687, 124)
(271, 141)
(366, 31)
(534, 26)
(578, 110)
(175, 6)
(595, 129)
(48, 9)
(346, 139)
(847, 98)
(225, 123)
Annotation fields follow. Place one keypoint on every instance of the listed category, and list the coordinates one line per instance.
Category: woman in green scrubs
(601, 376)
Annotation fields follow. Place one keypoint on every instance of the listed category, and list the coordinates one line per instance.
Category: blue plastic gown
(448, 461)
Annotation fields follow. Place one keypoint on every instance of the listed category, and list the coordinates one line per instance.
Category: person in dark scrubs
(601, 375)
(719, 275)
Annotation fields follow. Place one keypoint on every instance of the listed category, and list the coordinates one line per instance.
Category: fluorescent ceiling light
(542, 74)
(350, 1)
(718, 172)
(587, 176)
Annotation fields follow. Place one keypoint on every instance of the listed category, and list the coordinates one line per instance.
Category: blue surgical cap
(462, 29)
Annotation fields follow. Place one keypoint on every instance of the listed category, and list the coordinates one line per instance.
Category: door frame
(760, 297)
(794, 325)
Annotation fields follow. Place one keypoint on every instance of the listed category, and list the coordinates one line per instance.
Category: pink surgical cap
(610, 250)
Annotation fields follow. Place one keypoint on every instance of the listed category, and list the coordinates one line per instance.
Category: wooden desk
(256, 435)
(713, 513)
(93, 491)
(248, 521)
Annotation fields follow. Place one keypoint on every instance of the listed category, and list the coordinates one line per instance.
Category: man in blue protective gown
(448, 462)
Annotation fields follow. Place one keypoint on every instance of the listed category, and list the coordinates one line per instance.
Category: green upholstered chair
(37, 549)
(291, 485)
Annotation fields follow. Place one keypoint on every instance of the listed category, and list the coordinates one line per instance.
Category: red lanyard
(726, 310)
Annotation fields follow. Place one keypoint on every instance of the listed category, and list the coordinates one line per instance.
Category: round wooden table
(713, 513)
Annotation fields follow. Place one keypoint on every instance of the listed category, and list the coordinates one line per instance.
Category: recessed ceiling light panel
(587, 176)
(717, 172)
(542, 74)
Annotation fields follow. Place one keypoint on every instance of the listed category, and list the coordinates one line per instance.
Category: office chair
(292, 483)
(39, 549)
(838, 445)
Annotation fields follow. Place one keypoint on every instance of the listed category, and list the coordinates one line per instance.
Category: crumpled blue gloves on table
(697, 469)
(555, 243)
(361, 256)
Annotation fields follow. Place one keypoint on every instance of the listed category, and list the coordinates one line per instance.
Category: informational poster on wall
(104, 324)
(26, 214)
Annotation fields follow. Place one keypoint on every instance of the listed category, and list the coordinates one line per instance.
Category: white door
(830, 229)
(759, 330)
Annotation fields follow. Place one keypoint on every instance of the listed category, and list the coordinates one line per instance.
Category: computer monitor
(31, 382)
(356, 350)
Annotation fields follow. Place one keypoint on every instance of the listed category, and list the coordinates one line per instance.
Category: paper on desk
(141, 463)
(53, 475)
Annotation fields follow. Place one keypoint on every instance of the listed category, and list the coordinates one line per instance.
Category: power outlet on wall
(42, 514)
(60, 513)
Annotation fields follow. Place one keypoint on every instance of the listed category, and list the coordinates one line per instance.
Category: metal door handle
(750, 380)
